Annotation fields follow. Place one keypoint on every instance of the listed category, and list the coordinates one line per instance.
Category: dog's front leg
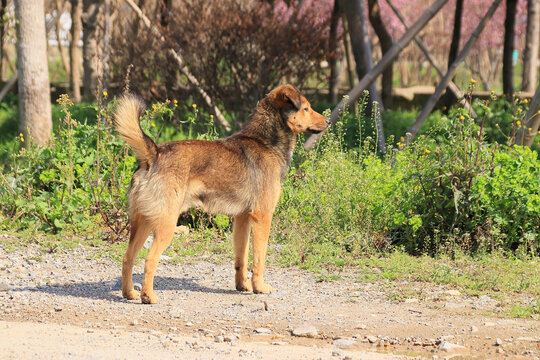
(261, 222)
(241, 229)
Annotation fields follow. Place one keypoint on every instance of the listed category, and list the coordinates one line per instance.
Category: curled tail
(127, 124)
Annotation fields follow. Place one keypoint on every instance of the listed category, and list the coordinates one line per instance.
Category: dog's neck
(267, 126)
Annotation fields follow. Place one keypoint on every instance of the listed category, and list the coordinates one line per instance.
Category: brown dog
(238, 176)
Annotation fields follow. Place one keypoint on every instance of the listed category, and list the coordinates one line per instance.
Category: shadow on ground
(110, 289)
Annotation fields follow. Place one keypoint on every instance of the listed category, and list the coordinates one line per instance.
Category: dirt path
(69, 305)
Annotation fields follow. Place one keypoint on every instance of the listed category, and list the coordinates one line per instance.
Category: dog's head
(296, 111)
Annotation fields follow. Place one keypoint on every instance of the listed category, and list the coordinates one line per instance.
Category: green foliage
(449, 190)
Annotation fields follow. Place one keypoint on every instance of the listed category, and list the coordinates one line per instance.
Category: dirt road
(69, 305)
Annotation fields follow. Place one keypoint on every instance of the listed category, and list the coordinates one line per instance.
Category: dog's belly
(218, 202)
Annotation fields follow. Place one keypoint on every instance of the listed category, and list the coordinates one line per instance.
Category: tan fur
(238, 176)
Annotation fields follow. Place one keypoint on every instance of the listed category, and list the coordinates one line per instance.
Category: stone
(305, 331)
(372, 339)
(343, 343)
(263, 331)
(498, 342)
(452, 293)
(337, 352)
(451, 347)
(182, 230)
(148, 242)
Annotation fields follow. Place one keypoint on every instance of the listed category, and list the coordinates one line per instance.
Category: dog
(239, 176)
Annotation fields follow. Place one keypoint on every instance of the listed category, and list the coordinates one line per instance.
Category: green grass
(481, 274)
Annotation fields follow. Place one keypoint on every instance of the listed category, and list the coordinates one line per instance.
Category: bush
(448, 190)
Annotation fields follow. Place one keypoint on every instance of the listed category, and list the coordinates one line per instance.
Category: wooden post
(386, 60)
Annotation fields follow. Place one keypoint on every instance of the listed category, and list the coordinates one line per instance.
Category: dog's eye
(306, 109)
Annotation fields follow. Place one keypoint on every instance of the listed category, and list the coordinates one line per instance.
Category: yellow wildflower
(153, 125)
(520, 110)
(427, 151)
(497, 125)
(194, 106)
(402, 139)
(473, 81)
(518, 123)
(461, 117)
(105, 93)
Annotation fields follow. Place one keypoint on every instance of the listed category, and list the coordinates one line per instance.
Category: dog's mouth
(313, 131)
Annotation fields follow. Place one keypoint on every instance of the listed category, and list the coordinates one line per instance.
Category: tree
(75, 50)
(361, 47)
(449, 99)
(508, 51)
(386, 42)
(92, 43)
(332, 54)
(34, 89)
(532, 42)
(526, 134)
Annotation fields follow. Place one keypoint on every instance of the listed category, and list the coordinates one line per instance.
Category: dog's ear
(286, 96)
(293, 96)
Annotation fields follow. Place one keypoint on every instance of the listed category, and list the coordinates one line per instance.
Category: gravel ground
(69, 305)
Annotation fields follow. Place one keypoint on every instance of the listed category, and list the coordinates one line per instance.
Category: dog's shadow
(111, 290)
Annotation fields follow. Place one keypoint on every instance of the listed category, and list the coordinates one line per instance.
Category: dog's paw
(149, 299)
(262, 288)
(245, 286)
(130, 294)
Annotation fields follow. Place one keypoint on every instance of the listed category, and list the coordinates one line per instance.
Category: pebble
(57, 308)
(452, 293)
(337, 352)
(263, 331)
(306, 331)
(498, 342)
(219, 339)
(137, 286)
(230, 338)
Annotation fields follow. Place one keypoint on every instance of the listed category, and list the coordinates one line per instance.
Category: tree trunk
(2, 30)
(449, 98)
(525, 136)
(92, 41)
(361, 47)
(75, 50)
(60, 5)
(532, 42)
(356, 92)
(386, 43)
(508, 52)
(332, 55)
(451, 71)
(34, 88)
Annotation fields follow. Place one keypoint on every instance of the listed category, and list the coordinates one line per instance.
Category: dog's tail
(127, 123)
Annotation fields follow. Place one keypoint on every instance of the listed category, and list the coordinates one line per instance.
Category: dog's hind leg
(261, 222)
(140, 229)
(163, 233)
(241, 229)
